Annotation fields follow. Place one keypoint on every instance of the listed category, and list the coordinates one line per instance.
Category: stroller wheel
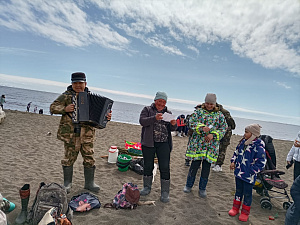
(265, 203)
(286, 205)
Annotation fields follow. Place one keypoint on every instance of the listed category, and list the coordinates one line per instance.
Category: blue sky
(247, 52)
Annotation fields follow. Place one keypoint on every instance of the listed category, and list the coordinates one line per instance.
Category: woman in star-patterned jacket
(248, 159)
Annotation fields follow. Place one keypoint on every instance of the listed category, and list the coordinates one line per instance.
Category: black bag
(137, 166)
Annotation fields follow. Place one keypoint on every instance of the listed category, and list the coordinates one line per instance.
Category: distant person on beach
(35, 109)
(41, 111)
(76, 138)
(157, 140)
(28, 106)
(248, 159)
(181, 126)
(2, 101)
(225, 141)
(294, 156)
(209, 126)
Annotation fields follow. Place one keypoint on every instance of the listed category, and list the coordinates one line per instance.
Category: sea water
(17, 99)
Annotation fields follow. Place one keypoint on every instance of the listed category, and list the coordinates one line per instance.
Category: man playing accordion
(76, 138)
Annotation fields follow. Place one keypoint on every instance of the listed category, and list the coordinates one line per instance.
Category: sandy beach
(28, 154)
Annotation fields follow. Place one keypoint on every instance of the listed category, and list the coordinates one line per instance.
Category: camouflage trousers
(74, 147)
(223, 147)
(222, 154)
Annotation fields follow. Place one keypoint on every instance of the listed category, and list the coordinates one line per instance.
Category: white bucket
(113, 154)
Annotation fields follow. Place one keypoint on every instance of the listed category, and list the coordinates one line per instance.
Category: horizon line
(19, 81)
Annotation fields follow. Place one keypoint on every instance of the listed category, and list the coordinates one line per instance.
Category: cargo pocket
(65, 133)
(87, 134)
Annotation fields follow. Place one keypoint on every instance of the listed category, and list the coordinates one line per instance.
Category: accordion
(91, 109)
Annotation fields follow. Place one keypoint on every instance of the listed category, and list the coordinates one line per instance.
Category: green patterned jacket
(198, 149)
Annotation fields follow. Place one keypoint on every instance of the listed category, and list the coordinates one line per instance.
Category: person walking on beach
(28, 107)
(248, 159)
(225, 141)
(181, 126)
(35, 109)
(156, 139)
(209, 126)
(294, 156)
(2, 101)
(76, 139)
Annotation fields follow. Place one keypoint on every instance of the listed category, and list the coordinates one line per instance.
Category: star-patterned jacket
(249, 160)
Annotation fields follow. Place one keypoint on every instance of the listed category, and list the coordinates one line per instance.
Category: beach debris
(49, 134)
(146, 203)
(133, 157)
(154, 171)
(271, 218)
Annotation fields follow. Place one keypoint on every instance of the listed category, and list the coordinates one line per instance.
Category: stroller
(270, 178)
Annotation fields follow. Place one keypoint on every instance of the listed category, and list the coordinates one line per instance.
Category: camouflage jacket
(231, 125)
(66, 126)
(229, 120)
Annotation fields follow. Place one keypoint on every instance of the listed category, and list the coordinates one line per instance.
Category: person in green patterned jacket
(79, 138)
(209, 126)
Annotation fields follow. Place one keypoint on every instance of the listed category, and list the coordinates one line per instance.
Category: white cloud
(60, 21)
(18, 51)
(193, 49)
(282, 84)
(264, 31)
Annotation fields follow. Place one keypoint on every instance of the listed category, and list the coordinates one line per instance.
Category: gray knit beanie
(161, 95)
(211, 98)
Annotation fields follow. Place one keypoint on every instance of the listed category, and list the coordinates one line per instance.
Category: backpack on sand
(48, 196)
(126, 198)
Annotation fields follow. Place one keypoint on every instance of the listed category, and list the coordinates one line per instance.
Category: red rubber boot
(235, 208)
(244, 213)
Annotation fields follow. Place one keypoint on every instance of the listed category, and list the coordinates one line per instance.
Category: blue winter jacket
(249, 160)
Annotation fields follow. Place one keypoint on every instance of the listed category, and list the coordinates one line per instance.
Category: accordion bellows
(91, 109)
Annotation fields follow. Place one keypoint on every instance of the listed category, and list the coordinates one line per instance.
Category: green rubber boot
(89, 173)
(24, 194)
(68, 175)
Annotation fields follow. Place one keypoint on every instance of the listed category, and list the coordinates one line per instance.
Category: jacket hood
(216, 109)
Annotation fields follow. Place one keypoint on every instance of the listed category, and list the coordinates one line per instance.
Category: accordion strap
(68, 114)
